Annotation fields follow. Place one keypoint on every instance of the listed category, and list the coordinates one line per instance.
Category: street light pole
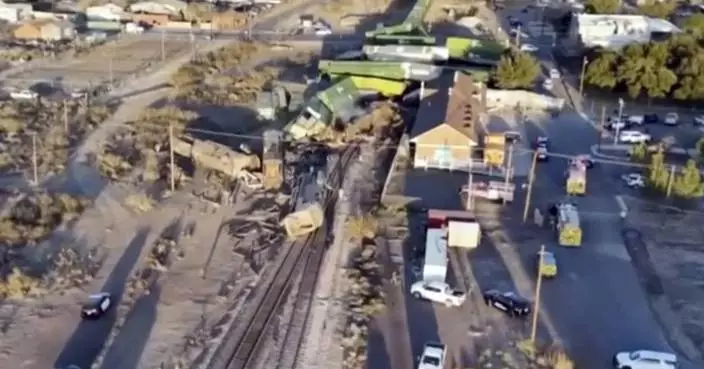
(536, 305)
(619, 121)
(530, 186)
(581, 76)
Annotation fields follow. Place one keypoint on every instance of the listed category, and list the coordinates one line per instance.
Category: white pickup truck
(438, 292)
(433, 356)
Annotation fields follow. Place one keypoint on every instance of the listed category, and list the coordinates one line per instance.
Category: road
(597, 305)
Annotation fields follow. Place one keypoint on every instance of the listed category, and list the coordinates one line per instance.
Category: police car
(96, 306)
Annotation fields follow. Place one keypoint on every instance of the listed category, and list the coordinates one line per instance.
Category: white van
(636, 120)
(645, 359)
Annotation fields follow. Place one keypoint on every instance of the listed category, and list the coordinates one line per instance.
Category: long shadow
(88, 338)
(129, 344)
(377, 355)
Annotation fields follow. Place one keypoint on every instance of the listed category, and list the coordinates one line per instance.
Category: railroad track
(302, 256)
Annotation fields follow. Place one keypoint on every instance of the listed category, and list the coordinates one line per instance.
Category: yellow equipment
(576, 178)
(568, 227)
(548, 268)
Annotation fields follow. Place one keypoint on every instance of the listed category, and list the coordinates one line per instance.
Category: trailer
(435, 263)
(568, 227)
(576, 183)
(462, 228)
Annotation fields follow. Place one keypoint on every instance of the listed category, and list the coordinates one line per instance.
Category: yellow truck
(576, 183)
(569, 230)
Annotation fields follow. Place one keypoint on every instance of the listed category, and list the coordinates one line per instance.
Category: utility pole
(670, 181)
(163, 44)
(518, 36)
(35, 171)
(509, 170)
(581, 76)
(66, 116)
(470, 182)
(171, 157)
(602, 124)
(536, 305)
(619, 121)
(530, 186)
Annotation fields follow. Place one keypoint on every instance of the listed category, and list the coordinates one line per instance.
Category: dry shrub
(230, 90)
(362, 227)
(18, 285)
(364, 299)
(70, 268)
(113, 166)
(158, 258)
(151, 129)
(140, 202)
(35, 216)
(383, 118)
(557, 358)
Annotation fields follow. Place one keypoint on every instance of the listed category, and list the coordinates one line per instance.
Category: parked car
(699, 120)
(634, 137)
(636, 120)
(323, 32)
(530, 48)
(23, 95)
(672, 119)
(616, 123)
(634, 180)
(508, 302)
(433, 357)
(439, 292)
(645, 359)
(547, 84)
(96, 306)
(554, 73)
(512, 136)
(651, 118)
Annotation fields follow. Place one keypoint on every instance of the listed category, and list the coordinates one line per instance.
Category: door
(443, 156)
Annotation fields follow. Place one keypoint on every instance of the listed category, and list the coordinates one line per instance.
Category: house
(46, 30)
(106, 12)
(614, 31)
(174, 8)
(151, 20)
(13, 13)
(445, 132)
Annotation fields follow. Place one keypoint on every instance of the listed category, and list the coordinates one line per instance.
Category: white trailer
(435, 264)
(463, 233)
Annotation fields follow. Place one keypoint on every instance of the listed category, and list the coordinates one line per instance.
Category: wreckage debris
(304, 221)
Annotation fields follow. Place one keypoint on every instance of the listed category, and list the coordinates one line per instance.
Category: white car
(671, 119)
(634, 180)
(637, 120)
(529, 48)
(433, 357)
(634, 137)
(554, 73)
(548, 85)
(323, 32)
(23, 95)
(645, 359)
(699, 120)
(437, 292)
(616, 123)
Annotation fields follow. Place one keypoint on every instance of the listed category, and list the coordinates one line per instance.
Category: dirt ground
(129, 56)
(674, 242)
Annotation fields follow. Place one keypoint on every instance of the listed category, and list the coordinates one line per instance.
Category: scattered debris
(303, 221)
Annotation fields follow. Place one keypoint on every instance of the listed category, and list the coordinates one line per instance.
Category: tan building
(46, 30)
(445, 132)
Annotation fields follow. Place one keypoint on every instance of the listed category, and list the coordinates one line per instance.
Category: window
(434, 361)
(431, 288)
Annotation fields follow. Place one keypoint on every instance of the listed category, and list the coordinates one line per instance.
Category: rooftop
(626, 20)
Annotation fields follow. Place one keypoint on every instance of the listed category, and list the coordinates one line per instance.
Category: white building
(107, 12)
(614, 31)
(167, 7)
(13, 13)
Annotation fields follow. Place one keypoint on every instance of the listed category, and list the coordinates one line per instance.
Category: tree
(603, 6)
(643, 69)
(694, 25)
(699, 147)
(516, 70)
(601, 71)
(658, 9)
(688, 183)
(690, 70)
(658, 176)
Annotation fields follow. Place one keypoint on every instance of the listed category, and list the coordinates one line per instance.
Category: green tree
(658, 9)
(643, 69)
(601, 71)
(516, 70)
(699, 147)
(603, 6)
(694, 25)
(690, 70)
(657, 172)
(688, 183)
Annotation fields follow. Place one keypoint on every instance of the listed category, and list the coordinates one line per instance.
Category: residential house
(45, 30)
(107, 12)
(172, 8)
(614, 31)
(14, 13)
(447, 125)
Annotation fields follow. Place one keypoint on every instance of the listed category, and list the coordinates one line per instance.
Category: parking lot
(120, 59)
